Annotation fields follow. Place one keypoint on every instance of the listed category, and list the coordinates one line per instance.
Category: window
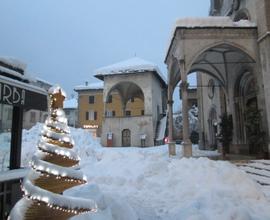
(128, 113)
(86, 116)
(32, 117)
(91, 99)
(5, 133)
(142, 112)
(110, 99)
(110, 113)
(91, 115)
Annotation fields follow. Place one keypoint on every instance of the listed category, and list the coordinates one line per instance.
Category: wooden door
(126, 138)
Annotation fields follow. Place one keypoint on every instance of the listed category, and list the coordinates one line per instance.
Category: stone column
(171, 143)
(187, 146)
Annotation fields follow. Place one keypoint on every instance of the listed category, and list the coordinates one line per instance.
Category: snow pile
(144, 183)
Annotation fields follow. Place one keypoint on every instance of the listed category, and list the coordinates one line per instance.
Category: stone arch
(244, 93)
(203, 50)
(127, 90)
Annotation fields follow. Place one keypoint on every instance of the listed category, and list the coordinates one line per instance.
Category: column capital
(184, 85)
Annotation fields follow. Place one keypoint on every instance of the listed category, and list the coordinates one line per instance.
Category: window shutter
(95, 115)
(87, 116)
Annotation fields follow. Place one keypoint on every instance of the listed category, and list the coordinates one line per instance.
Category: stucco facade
(139, 80)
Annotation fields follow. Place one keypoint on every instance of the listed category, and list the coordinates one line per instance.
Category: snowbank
(147, 184)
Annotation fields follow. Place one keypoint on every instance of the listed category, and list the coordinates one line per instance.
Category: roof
(71, 103)
(208, 22)
(13, 63)
(130, 66)
(212, 21)
(91, 86)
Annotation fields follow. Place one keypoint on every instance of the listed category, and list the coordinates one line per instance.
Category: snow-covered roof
(94, 86)
(71, 103)
(208, 22)
(212, 21)
(130, 66)
(13, 62)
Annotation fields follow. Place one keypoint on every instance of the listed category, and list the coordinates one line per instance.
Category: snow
(132, 65)
(99, 85)
(162, 128)
(208, 22)
(71, 103)
(215, 21)
(13, 174)
(147, 184)
(56, 89)
(13, 62)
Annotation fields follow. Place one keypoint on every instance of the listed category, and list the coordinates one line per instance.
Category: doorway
(126, 138)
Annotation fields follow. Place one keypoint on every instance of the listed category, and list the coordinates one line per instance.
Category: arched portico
(214, 46)
(127, 91)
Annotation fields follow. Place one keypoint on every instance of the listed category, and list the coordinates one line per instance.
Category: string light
(55, 142)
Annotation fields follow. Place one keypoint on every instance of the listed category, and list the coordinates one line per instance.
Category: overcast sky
(64, 41)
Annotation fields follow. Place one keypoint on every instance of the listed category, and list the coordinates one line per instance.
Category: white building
(71, 111)
(134, 78)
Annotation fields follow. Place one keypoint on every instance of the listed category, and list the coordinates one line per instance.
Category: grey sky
(64, 41)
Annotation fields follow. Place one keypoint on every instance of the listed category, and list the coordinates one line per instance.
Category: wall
(137, 125)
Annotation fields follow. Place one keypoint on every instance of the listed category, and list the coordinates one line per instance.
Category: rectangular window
(110, 99)
(128, 113)
(91, 99)
(92, 115)
(86, 116)
(32, 117)
(5, 134)
(110, 113)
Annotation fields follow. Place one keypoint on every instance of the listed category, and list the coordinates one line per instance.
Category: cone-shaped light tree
(54, 168)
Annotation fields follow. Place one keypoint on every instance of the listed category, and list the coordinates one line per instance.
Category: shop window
(5, 137)
(91, 99)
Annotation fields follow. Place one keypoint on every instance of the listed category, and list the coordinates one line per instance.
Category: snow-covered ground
(146, 184)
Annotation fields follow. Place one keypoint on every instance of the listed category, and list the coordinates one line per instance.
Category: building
(91, 107)
(16, 95)
(142, 82)
(231, 53)
(71, 111)
(127, 106)
(32, 116)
